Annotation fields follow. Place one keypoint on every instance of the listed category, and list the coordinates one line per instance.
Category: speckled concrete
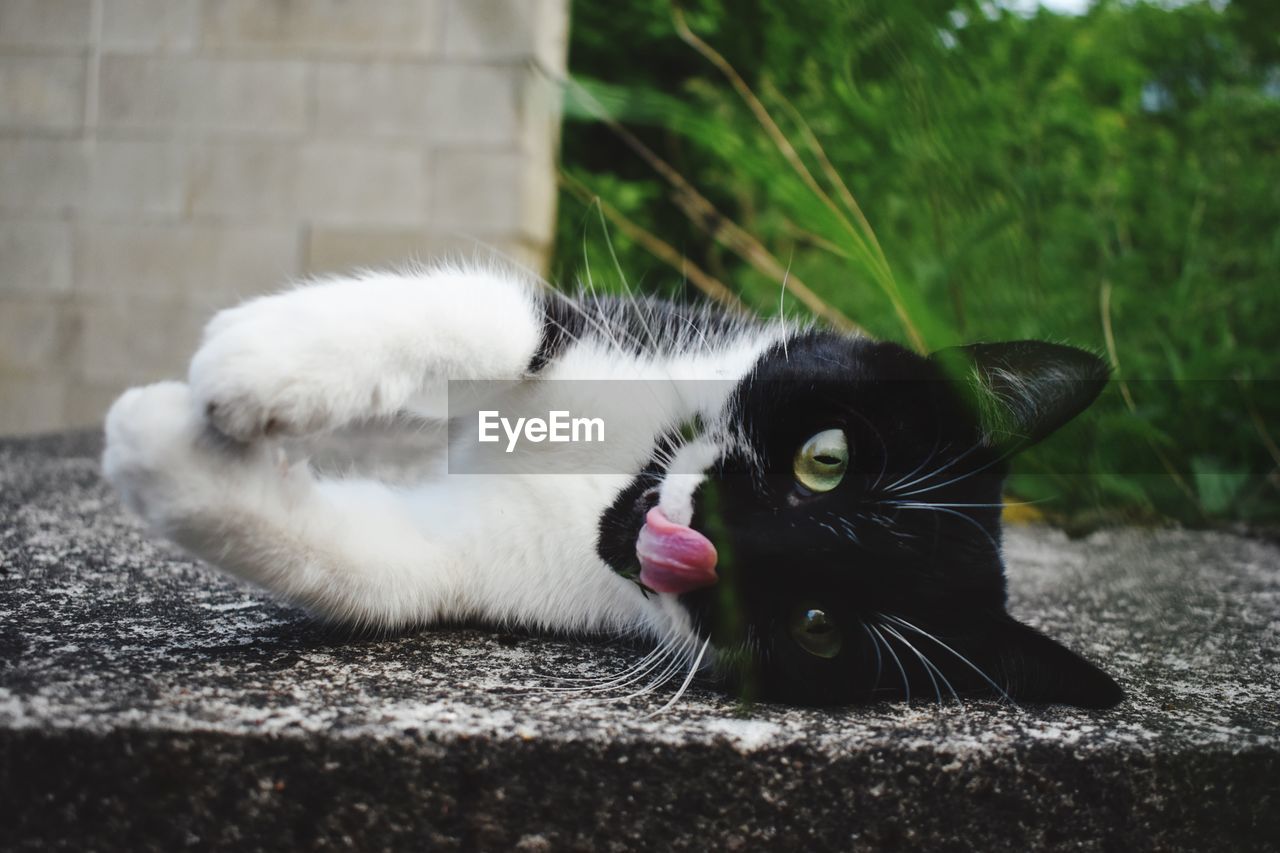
(146, 703)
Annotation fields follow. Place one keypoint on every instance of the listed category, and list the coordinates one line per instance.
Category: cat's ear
(1032, 668)
(1021, 391)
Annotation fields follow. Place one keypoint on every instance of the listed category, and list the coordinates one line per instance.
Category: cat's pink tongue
(674, 558)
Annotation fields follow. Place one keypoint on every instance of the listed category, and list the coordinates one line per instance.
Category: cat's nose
(674, 558)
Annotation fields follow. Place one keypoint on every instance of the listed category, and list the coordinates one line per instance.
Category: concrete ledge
(146, 703)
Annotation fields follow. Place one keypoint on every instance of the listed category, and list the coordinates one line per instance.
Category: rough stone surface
(147, 703)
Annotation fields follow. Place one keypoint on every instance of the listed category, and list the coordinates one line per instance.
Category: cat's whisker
(1001, 505)
(632, 680)
(929, 668)
(995, 546)
(674, 666)
(906, 683)
(632, 677)
(657, 657)
(875, 645)
(1001, 458)
(932, 455)
(897, 490)
(908, 625)
(693, 670)
(662, 678)
(849, 532)
(829, 528)
(606, 679)
(887, 523)
(945, 681)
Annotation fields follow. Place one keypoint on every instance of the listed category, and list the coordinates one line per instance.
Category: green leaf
(1216, 488)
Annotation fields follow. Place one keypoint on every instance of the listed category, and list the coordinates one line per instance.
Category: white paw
(280, 366)
(149, 431)
(158, 457)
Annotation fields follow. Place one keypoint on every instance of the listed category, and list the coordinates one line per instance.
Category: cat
(812, 517)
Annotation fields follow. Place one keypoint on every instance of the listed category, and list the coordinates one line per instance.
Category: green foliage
(1021, 174)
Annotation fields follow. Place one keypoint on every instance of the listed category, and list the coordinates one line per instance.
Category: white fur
(323, 355)
(675, 498)
(515, 549)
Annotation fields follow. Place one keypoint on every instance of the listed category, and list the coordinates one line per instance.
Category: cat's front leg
(327, 354)
(347, 550)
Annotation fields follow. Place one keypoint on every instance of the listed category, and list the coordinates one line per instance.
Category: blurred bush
(1109, 180)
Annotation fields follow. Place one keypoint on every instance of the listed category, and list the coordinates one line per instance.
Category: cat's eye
(821, 461)
(816, 632)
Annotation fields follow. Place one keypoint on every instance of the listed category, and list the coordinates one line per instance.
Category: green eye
(816, 633)
(822, 460)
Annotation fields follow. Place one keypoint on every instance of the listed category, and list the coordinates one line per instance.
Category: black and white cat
(819, 521)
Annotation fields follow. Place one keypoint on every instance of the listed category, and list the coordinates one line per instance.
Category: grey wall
(160, 159)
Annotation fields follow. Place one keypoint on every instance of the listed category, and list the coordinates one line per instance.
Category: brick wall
(160, 159)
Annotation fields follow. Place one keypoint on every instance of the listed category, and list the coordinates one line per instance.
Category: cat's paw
(279, 366)
(159, 458)
(149, 432)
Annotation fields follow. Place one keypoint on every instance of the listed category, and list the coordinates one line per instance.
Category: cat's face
(854, 507)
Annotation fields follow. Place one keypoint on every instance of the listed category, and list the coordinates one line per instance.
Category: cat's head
(849, 498)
